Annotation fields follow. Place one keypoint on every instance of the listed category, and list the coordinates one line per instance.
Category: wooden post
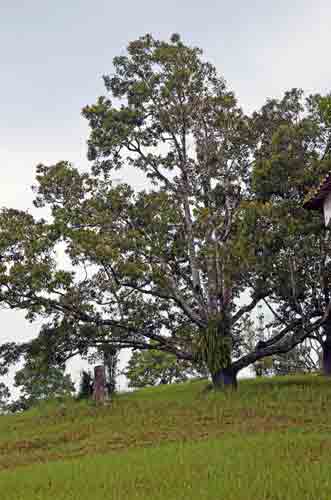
(99, 385)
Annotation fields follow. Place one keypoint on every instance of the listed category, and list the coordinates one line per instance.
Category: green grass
(269, 440)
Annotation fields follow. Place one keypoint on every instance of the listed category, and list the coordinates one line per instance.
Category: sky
(53, 56)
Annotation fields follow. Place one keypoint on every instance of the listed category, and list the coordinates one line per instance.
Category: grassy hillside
(269, 440)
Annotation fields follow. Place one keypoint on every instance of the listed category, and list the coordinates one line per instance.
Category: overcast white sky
(53, 54)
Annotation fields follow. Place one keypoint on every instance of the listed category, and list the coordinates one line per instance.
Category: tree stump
(99, 385)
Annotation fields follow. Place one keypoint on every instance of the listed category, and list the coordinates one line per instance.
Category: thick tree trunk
(326, 346)
(225, 379)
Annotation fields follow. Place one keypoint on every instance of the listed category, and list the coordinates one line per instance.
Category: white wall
(327, 209)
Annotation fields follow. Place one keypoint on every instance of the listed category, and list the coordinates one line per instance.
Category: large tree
(292, 156)
(168, 264)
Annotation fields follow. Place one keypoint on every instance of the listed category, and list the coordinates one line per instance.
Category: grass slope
(269, 440)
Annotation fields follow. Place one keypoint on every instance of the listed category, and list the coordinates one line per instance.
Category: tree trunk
(326, 346)
(99, 385)
(110, 356)
(225, 379)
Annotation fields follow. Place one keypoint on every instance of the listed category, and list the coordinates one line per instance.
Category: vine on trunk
(214, 345)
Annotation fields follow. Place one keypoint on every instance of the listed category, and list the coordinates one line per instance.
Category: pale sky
(53, 54)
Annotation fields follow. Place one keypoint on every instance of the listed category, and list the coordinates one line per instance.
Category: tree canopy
(292, 156)
(152, 367)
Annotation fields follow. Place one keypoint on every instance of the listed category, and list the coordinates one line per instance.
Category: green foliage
(85, 385)
(4, 397)
(152, 367)
(37, 383)
(288, 245)
(214, 345)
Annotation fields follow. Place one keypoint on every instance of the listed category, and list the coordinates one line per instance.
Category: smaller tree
(86, 385)
(4, 397)
(153, 367)
(38, 383)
